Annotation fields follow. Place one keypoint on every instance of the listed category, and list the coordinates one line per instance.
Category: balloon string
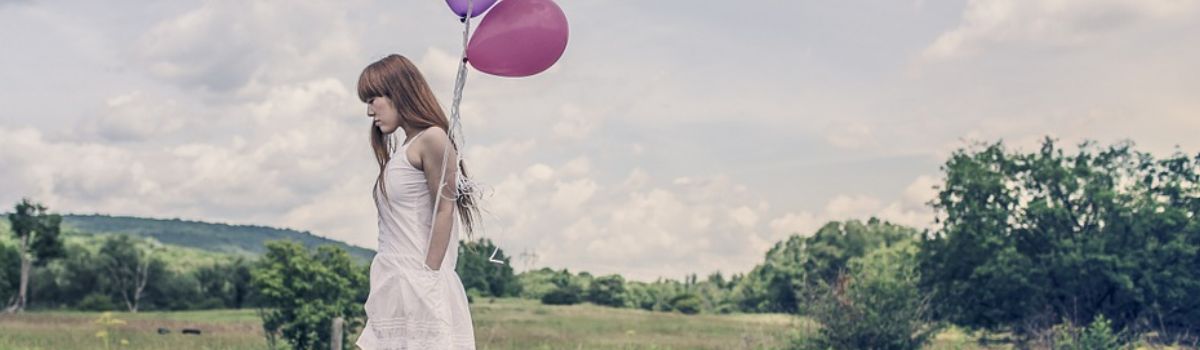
(463, 185)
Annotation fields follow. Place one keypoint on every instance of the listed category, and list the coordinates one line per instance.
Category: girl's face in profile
(381, 110)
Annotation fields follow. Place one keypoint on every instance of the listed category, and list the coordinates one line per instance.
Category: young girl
(417, 300)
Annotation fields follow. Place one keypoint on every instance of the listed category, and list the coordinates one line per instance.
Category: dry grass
(526, 324)
(499, 324)
(78, 330)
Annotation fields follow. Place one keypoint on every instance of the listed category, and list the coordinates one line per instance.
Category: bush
(640, 295)
(302, 292)
(608, 291)
(1097, 336)
(473, 294)
(535, 284)
(565, 295)
(97, 301)
(876, 305)
(686, 303)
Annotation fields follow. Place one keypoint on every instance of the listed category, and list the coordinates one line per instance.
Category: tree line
(1099, 245)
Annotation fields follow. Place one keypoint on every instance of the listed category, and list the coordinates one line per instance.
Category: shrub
(687, 303)
(1097, 336)
(303, 292)
(565, 295)
(876, 305)
(608, 291)
(97, 301)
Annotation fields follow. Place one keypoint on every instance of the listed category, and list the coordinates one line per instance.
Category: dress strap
(414, 138)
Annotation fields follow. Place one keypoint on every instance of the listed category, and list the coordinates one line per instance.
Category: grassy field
(223, 329)
(499, 324)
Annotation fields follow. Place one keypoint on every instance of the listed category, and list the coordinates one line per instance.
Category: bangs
(370, 83)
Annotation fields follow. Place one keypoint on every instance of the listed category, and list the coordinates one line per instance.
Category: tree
(224, 284)
(214, 284)
(717, 280)
(82, 275)
(479, 273)
(171, 290)
(239, 278)
(10, 271)
(38, 233)
(796, 268)
(302, 293)
(128, 267)
(1027, 240)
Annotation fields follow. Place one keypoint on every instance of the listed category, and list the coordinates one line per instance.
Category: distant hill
(223, 238)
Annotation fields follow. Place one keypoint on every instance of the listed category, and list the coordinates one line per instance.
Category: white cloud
(570, 195)
(573, 124)
(912, 208)
(601, 163)
(297, 138)
(636, 179)
(909, 209)
(628, 226)
(498, 159)
(225, 46)
(440, 69)
(539, 172)
(850, 135)
(326, 213)
(744, 216)
(577, 167)
(1050, 24)
(852, 206)
(802, 223)
(921, 191)
(84, 177)
(135, 117)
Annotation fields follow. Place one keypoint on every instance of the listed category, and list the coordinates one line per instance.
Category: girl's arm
(432, 148)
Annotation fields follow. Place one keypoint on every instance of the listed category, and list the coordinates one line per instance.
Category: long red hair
(398, 79)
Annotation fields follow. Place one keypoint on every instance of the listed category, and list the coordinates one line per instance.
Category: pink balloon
(519, 38)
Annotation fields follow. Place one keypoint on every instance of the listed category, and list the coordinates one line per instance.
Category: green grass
(237, 329)
(499, 324)
(526, 324)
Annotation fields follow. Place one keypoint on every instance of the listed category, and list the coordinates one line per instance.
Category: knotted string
(463, 185)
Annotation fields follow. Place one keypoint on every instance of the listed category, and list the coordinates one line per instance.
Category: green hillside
(180, 259)
(214, 237)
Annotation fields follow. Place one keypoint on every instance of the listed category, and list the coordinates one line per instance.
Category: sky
(671, 138)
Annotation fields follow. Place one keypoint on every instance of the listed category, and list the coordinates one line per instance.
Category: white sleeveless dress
(411, 306)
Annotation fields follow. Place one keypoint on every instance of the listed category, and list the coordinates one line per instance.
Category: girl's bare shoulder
(433, 141)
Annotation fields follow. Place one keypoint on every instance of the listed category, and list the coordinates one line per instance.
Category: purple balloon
(477, 7)
(519, 38)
